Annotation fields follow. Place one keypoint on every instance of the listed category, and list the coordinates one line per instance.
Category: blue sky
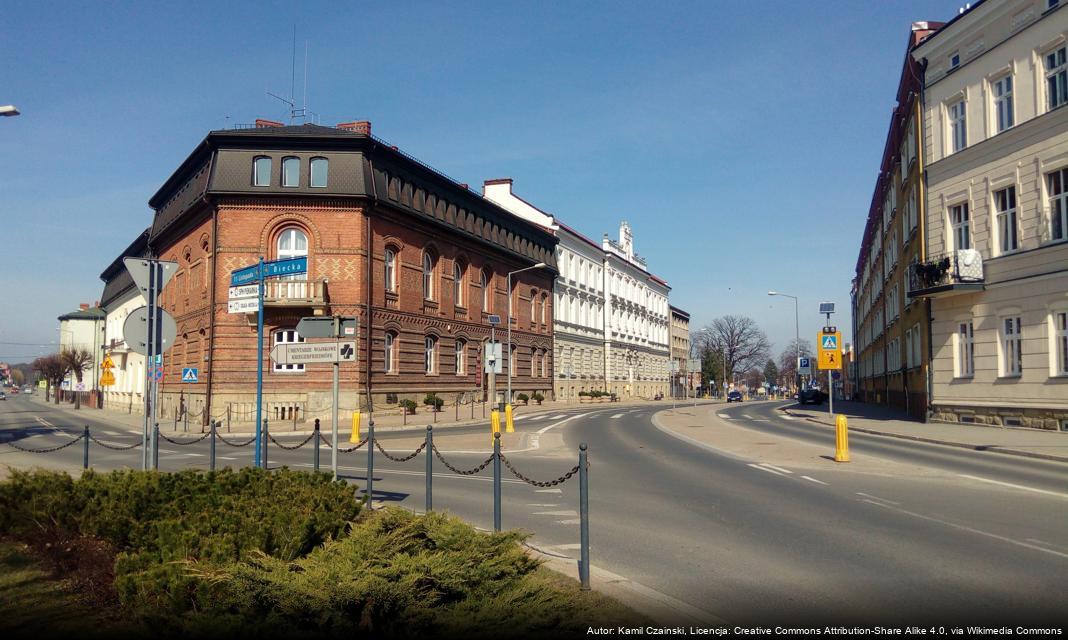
(741, 140)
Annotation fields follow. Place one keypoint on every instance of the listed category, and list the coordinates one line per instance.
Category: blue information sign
(286, 267)
(190, 374)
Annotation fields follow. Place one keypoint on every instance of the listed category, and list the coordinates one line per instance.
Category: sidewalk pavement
(881, 420)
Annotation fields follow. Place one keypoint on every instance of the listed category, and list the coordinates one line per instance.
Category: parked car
(2, 396)
(734, 396)
(811, 396)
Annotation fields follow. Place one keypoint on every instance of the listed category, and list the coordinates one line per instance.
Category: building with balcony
(419, 259)
(995, 271)
(891, 328)
(680, 350)
(120, 298)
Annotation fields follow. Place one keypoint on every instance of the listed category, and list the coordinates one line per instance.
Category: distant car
(811, 396)
(14, 391)
(734, 396)
(2, 396)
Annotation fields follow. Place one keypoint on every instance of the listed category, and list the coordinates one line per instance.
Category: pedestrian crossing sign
(830, 342)
(189, 374)
(830, 356)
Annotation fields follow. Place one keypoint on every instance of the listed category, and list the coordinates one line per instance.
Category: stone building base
(1046, 419)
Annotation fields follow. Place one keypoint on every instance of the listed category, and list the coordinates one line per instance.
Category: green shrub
(537, 397)
(408, 405)
(522, 397)
(584, 394)
(434, 401)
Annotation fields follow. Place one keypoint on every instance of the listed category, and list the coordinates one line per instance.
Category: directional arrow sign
(245, 291)
(243, 305)
(139, 267)
(312, 352)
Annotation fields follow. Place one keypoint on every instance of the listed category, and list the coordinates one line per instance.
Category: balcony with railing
(947, 274)
(295, 293)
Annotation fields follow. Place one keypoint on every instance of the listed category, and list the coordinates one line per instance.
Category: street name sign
(244, 291)
(313, 352)
(323, 327)
(135, 330)
(273, 269)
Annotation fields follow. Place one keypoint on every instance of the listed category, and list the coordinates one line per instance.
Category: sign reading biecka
(312, 352)
(273, 269)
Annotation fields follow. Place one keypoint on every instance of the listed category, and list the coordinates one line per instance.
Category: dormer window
(261, 171)
(320, 167)
(290, 172)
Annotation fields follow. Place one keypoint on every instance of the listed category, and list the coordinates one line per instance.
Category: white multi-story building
(610, 315)
(78, 330)
(120, 298)
(637, 322)
(996, 263)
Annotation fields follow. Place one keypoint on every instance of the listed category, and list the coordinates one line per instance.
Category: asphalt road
(954, 537)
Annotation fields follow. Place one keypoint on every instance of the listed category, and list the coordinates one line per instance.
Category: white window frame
(389, 352)
(288, 336)
(457, 284)
(389, 260)
(960, 223)
(964, 339)
(958, 125)
(430, 349)
(256, 163)
(1006, 220)
(1058, 332)
(428, 276)
(461, 357)
(1055, 67)
(1001, 90)
(1058, 204)
(484, 281)
(1010, 346)
(290, 161)
(324, 163)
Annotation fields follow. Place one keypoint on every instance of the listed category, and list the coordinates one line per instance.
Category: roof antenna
(303, 111)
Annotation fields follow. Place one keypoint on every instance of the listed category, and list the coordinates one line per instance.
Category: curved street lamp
(797, 340)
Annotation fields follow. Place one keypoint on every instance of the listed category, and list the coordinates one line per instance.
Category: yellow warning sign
(108, 364)
(830, 350)
(107, 378)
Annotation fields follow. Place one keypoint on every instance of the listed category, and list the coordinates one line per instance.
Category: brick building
(419, 259)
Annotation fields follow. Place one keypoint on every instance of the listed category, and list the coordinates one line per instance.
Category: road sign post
(259, 360)
(829, 341)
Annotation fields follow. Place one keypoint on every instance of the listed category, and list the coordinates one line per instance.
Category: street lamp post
(508, 289)
(797, 340)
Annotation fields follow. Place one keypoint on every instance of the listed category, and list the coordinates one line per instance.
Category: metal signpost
(493, 360)
(829, 342)
(150, 331)
(241, 301)
(336, 352)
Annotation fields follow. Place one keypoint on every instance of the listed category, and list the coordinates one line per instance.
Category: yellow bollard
(508, 425)
(495, 423)
(841, 439)
(355, 437)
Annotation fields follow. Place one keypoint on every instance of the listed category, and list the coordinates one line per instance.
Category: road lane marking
(617, 416)
(757, 466)
(788, 417)
(571, 521)
(548, 491)
(866, 495)
(536, 418)
(814, 480)
(971, 530)
(779, 469)
(543, 504)
(724, 416)
(562, 415)
(562, 513)
(1015, 486)
(747, 416)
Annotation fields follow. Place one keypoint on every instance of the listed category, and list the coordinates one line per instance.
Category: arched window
(533, 303)
(287, 336)
(533, 362)
(261, 171)
(290, 172)
(292, 243)
(430, 347)
(461, 357)
(544, 303)
(391, 269)
(485, 281)
(389, 353)
(544, 363)
(320, 169)
(428, 276)
(458, 283)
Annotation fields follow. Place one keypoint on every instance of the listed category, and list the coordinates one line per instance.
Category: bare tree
(53, 370)
(788, 359)
(76, 361)
(741, 343)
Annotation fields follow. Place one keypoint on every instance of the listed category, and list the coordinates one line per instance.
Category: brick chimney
(84, 306)
(362, 127)
(265, 124)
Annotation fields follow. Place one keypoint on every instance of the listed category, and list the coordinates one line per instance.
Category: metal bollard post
(315, 449)
(228, 418)
(584, 520)
(211, 447)
(370, 461)
(185, 420)
(155, 446)
(497, 481)
(429, 468)
(841, 439)
(85, 448)
(264, 454)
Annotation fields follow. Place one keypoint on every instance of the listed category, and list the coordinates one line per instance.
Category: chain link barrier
(112, 446)
(188, 442)
(235, 444)
(46, 450)
(470, 472)
(282, 446)
(349, 450)
(551, 483)
(406, 458)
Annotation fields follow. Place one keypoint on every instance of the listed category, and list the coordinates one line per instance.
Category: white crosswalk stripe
(617, 416)
(571, 521)
(548, 491)
(564, 512)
